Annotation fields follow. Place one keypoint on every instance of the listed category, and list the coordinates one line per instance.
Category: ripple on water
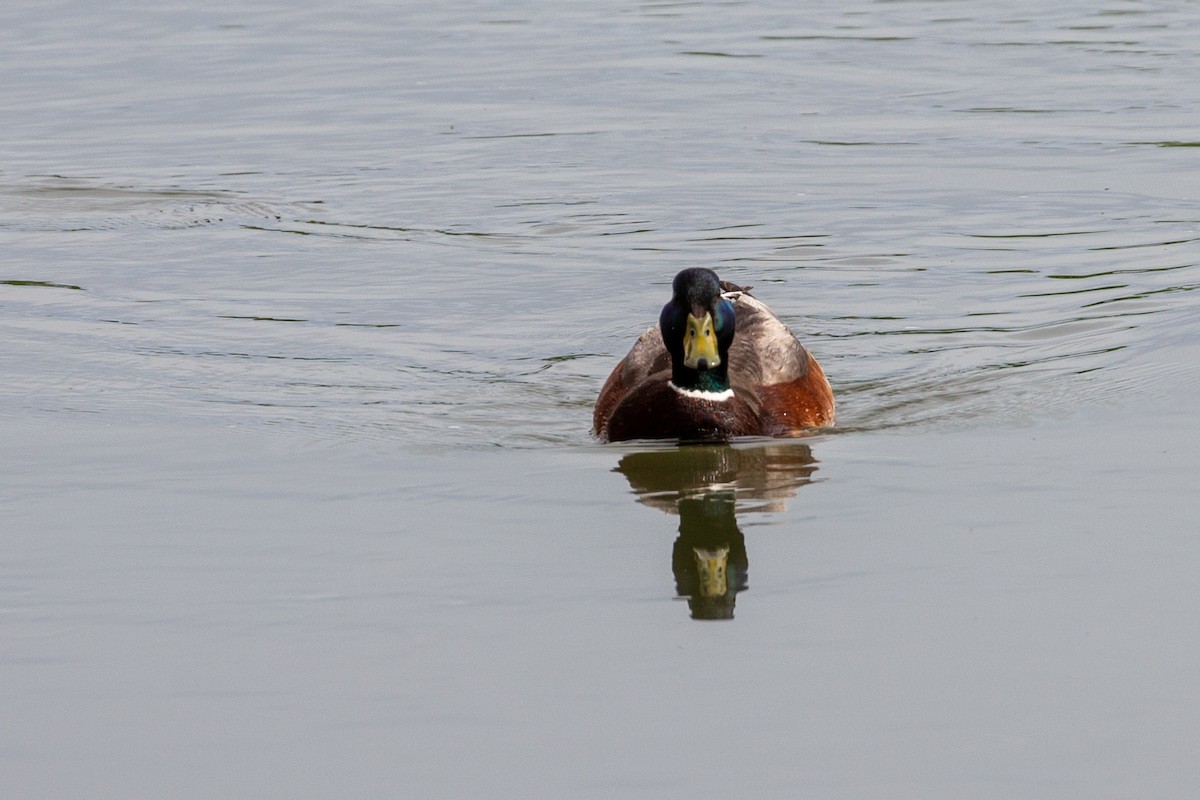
(64, 204)
(1023, 310)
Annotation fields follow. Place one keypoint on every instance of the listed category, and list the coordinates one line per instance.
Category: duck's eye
(724, 316)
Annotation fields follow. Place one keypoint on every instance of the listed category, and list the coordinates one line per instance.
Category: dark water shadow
(707, 486)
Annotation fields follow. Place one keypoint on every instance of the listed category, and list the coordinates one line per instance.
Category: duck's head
(697, 328)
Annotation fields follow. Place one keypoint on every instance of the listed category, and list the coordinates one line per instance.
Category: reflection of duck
(705, 485)
(760, 476)
(692, 378)
(709, 557)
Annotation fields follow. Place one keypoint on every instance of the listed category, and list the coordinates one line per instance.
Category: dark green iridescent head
(697, 328)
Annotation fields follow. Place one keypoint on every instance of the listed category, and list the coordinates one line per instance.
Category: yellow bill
(700, 343)
(711, 565)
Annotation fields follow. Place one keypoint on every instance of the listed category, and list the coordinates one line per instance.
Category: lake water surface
(303, 310)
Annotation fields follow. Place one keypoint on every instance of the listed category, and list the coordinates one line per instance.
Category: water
(303, 311)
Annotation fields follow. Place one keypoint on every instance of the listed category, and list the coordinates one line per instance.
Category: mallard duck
(690, 377)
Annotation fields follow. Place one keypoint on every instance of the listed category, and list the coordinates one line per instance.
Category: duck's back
(764, 351)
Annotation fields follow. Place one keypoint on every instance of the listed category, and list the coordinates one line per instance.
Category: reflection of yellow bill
(711, 565)
(700, 342)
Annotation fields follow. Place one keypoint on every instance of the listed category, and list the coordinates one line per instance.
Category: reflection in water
(709, 558)
(706, 485)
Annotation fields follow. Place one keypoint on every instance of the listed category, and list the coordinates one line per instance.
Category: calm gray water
(303, 310)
